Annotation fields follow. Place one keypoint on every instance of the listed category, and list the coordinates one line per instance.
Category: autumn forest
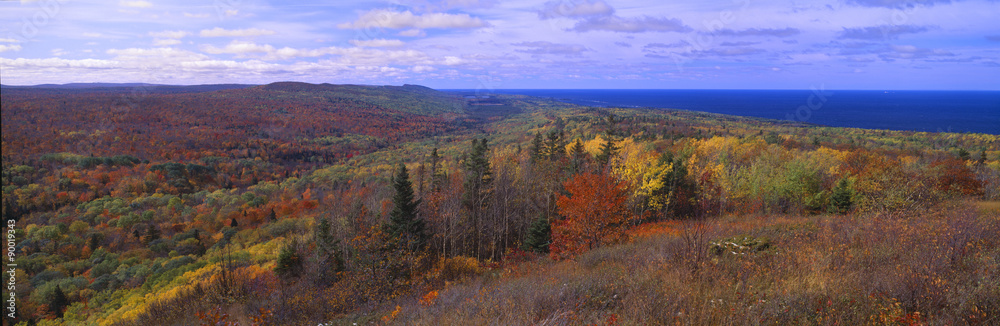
(319, 204)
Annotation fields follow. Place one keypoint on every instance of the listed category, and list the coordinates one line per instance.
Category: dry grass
(937, 267)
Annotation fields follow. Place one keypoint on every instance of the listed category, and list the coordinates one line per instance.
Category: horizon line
(135, 84)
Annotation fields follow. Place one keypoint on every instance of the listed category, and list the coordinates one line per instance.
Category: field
(300, 204)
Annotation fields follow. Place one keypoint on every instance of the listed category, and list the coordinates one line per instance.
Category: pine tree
(675, 186)
(289, 262)
(403, 221)
(330, 257)
(579, 155)
(841, 199)
(608, 150)
(59, 302)
(554, 149)
(151, 234)
(963, 154)
(437, 178)
(539, 235)
(537, 147)
(95, 241)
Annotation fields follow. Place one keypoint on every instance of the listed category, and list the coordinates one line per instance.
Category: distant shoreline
(921, 111)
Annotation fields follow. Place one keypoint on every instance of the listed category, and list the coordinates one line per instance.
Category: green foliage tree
(272, 217)
(330, 256)
(289, 262)
(437, 175)
(152, 233)
(58, 302)
(675, 190)
(579, 156)
(963, 154)
(772, 138)
(608, 149)
(842, 196)
(554, 148)
(404, 224)
(95, 240)
(539, 235)
(537, 146)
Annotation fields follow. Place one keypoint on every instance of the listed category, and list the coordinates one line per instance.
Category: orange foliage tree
(593, 214)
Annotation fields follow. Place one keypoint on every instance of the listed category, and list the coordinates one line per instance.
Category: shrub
(460, 267)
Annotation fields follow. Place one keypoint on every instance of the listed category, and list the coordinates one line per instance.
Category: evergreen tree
(579, 155)
(537, 147)
(437, 178)
(554, 148)
(289, 263)
(59, 302)
(841, 199)
(152, 233)
(539, 235)
(608, 150)
(95, 241)
(771, 138)
(403, 221)
(271, 217)
(963, 154)
(675, 188)
(328, 248)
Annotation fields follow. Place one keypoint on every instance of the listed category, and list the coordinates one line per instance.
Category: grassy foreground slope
(271, 205)
(937, 267)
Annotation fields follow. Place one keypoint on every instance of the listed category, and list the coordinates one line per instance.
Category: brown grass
(940, 266)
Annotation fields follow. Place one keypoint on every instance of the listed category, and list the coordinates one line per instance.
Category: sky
(495, 44)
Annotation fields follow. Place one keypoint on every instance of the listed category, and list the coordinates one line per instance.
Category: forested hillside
(299, 204)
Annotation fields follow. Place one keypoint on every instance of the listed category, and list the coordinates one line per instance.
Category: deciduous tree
(593, 214)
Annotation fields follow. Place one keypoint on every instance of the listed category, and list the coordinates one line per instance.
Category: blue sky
(484, 44)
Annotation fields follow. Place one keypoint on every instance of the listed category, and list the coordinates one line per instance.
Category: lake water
(953, 111)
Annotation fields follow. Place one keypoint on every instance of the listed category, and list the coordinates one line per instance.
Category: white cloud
(145, 55)
(220, 32)
(13, 47)
(8, 40)
(556, 9)
(422, 68)
(381, 18)
(239, 47)
(232, 12)
(169, 34)
(631, 25)
(413, 33)
(451, 61)
(166, 42)
(541, 47)
(93, 34)
(377, 43)
(250, 65)
(135, 3)
(57, 63)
